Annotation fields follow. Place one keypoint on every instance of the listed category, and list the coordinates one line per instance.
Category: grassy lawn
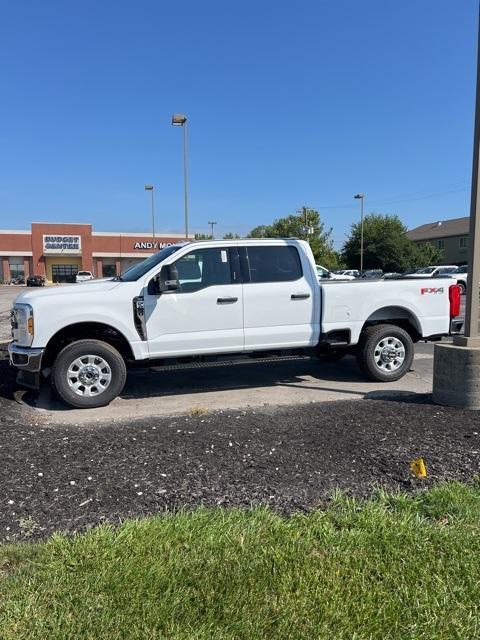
(394, 567)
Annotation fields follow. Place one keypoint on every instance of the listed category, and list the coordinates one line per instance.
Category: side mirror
(168, 279)
(164, 282)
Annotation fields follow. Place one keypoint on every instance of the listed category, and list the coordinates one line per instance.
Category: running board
(227, 363)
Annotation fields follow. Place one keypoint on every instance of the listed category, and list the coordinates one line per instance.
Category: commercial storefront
(59, 251)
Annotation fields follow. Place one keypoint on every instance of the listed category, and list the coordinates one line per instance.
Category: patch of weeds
(197, 411)
(28, 525)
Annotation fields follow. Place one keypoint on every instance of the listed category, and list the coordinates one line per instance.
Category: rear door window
(274, 264)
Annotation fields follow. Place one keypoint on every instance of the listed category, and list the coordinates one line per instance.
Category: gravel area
(69, 478)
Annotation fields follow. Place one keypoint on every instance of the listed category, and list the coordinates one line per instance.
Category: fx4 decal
(425, 290)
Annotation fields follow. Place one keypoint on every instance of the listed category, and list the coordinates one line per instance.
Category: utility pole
(212, 223)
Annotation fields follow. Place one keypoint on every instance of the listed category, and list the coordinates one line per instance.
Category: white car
(229, 299)
(461, 275)
(431, 272)
(347, 273)
(323, 273)
(83, 276)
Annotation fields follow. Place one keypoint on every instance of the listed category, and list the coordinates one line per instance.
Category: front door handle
(299, 296)
(226, 300)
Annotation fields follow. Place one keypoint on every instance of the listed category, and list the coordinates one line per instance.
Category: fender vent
(139, 316)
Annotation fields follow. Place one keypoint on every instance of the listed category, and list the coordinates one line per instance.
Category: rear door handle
(299, 296)
(226, 300)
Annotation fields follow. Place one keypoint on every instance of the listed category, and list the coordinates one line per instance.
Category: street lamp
(180, 120)
(211, 223)
(149, 187)
(361, 197)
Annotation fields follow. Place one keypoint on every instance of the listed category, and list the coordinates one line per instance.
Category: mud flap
(29, 379)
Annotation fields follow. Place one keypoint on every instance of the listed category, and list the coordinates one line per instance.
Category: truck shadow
(301, 373)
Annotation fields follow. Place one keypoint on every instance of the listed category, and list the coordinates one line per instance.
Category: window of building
(16, 267)
(463, 242)
(441, 244)
(204, 268)
(274, 264)
(109, 270)
(64, 272)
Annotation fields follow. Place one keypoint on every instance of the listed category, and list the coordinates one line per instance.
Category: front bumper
(25, 358)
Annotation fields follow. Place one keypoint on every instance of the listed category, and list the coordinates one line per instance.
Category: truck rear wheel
(385, 352)
(88, 374)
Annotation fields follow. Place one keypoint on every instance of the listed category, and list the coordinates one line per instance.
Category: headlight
(22, 324)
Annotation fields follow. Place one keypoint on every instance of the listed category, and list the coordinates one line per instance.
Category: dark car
(36, 281)
(372, 273)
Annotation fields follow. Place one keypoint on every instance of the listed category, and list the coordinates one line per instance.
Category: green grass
(394, 567)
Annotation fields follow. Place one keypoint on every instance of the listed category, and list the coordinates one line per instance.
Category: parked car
(351, 273)
(372, 273)
(391, 275)
(461, 275)
(17, 280)
(324, 273)
(188, 300)
(36, 281)
(432, 272)
(83, 276)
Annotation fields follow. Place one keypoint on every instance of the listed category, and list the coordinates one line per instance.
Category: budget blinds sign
(151, 245)
(67, 245)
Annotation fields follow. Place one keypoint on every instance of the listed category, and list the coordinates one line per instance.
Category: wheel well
(83, 331)
(398, 316)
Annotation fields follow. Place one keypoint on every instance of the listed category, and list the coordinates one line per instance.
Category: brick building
(58, 251)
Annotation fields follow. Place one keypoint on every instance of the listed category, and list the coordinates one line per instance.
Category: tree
(386, 245)
(305, 224)
(426, 254)
(203, 236)
(231, 236)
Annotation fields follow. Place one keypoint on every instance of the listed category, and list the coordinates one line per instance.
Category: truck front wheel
(88, 374)
(385, 352)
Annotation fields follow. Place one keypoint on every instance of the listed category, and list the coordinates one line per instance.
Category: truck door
(280, 298)
(205, 314)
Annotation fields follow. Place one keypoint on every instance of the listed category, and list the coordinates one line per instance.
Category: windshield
(140, 269)
(84, 273)
(460, 270)
(427, 270)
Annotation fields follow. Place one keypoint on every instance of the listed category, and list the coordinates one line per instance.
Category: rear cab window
(279, 263)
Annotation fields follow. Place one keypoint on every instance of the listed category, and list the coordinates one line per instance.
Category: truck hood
(92, 286)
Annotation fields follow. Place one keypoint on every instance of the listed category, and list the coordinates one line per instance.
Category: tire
(385, 353)
(102, 374)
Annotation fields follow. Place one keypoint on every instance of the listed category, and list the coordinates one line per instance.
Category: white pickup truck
(217, 298)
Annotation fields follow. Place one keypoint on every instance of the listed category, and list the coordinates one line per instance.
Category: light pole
(149, 187)
(456, 367)
(361, 197)
(211, 223)
(180, 120)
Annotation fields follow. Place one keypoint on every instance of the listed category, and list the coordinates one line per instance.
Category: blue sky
(289, 103)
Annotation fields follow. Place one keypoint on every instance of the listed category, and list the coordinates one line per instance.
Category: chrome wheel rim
(389, 354)
(89, 375)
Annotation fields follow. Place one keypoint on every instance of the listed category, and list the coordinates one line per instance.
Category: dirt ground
(69, 477)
